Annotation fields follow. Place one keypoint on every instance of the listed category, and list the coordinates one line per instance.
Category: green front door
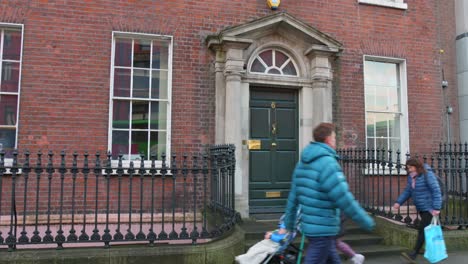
(273, 124)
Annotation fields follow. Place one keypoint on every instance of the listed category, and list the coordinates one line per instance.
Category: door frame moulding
(314, 53)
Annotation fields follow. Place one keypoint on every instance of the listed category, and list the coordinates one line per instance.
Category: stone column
(233, 71)
(321, 76)
(220, 84)
(306, 115)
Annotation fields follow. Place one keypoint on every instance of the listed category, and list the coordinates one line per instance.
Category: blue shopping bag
(435, 244)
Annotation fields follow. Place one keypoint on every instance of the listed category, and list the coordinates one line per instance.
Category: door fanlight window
(273, 62)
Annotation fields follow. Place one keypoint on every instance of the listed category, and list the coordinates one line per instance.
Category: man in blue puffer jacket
(426, 195)
(320, 189)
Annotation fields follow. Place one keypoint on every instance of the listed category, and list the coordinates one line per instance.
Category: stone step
(353, 240)
(257, 229)
(378, 250)
(371, 251)
(363, 242)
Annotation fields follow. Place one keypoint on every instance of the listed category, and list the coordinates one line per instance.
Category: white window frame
(268, 67)
(404, 126)
(16, 27)
(398, 4)
(169, 40)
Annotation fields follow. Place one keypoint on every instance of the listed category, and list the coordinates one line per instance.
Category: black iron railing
(58, 199)
(378, 176)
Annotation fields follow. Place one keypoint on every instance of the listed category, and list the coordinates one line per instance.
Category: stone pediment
(278, 23)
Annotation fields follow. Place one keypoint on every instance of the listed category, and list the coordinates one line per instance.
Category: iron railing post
(173, 234)
(129, 235)
(84, 236)
(194, 234)
(23, 239)
(11, 239)
(97, 174)
(163, 234)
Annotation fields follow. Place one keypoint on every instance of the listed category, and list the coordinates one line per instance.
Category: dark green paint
(270, 167)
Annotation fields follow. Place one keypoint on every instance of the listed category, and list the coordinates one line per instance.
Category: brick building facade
(175, 76)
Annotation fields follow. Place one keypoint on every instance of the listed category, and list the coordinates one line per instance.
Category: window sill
(385, 3)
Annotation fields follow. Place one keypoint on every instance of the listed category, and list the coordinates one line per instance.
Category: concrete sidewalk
(457, 257)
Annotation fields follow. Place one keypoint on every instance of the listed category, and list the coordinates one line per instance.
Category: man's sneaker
(358, 259)
(411, 257)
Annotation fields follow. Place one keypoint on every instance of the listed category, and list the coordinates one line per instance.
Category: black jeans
(426, 218)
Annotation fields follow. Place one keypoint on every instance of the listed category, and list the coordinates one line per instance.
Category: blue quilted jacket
(426, 195)
(320, 189)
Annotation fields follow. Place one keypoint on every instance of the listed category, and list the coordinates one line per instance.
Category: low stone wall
(395, 233)
(221, 251)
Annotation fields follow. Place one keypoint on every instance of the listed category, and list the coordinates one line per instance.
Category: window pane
(371, 144)
(370, 123)
(121, 114)
(370, 97)
(8, 108)
(7, 141)
(274, 71)
(160, 55)
(380, 73)
(120, 144)
(158, 115)
(159, 85)
(140, 110)
(381, 125)
(123, 52)
(395, 145)
(381, 143)
(122, 82)
(394, 126)
(289, 69)
(257, 66)
(12, 45)
(267, 57)
(280, 58)
(141, 83)
(381, 81)
(158, 143)
(381, 99)
(142, 53)
(10, 77)
(394, 99)
(139, 144)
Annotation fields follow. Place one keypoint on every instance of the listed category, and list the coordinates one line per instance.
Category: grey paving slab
(458, 257)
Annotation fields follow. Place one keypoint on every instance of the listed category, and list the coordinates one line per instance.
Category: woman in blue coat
(424, 190)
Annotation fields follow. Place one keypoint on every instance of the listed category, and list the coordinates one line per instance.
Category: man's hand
(435, 212)
(396, 206)
(267, 235)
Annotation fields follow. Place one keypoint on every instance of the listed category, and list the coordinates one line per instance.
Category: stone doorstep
(101, 218)
(366, 243)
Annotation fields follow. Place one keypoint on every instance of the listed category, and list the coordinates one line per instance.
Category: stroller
(288, 253)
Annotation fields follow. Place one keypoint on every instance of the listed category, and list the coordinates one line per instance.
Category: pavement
(458, 257)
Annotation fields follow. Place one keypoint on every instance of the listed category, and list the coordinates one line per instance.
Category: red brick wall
(67, 50)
